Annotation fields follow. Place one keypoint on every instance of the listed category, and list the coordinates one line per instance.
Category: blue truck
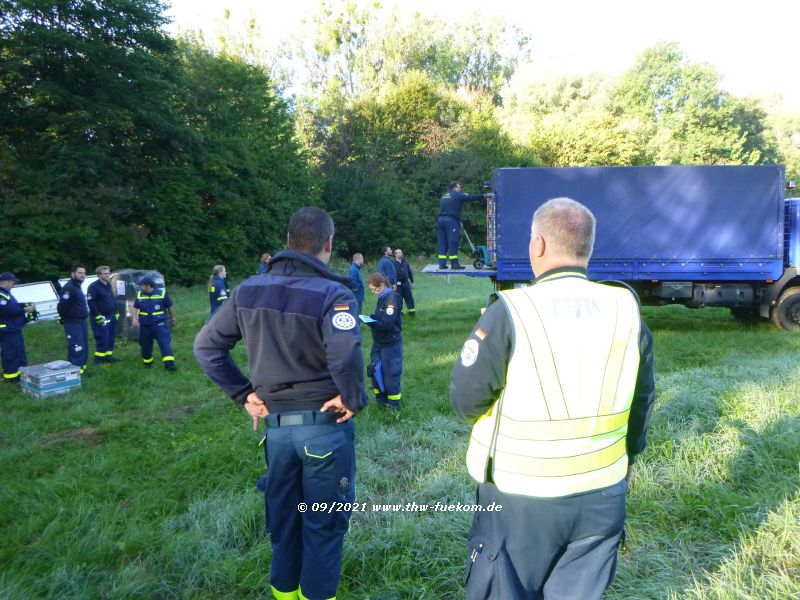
(693, 235)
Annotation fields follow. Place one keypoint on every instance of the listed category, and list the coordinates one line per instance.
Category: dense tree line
(120, 144)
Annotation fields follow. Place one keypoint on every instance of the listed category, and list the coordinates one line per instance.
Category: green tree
(86, 123)
(120, 146)
(687, 117)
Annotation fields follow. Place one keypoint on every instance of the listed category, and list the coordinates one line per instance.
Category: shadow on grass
(722, 458)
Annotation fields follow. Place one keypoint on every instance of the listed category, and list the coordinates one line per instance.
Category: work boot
(457, 267)
(111, 359)
(442, 266)
(170, 365)
(148, 365)
(393, 405)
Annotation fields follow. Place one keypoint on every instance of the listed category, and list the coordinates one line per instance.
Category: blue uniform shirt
(388, 320)
(12, 313)
(72, 304)
(152, 307)
(356, 284)
(101, 300)
(218, 293)
(386, 266)
(452, 203)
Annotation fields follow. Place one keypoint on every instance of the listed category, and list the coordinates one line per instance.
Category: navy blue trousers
(392, 367)
(544, 548)
(314, 465)
(77, 343)
(161, 334)
(12, 353)
(404, 289)
(448, 234)
(104, 337)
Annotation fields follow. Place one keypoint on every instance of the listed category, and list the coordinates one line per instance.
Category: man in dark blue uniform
(449, 230)
(405, 282)
(356, 284)
(150, 315)
(12, 320)
(102, 315)
(300, 324)
(73, 310)
(386, 266)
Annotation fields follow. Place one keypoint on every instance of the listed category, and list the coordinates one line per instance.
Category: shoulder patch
(469, 353)
(480, 334)
(339, 307)
(343, 321)
(65, 296)
(390, 309)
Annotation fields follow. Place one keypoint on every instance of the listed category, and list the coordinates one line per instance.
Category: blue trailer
(692, 235)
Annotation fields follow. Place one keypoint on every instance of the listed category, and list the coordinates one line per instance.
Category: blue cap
(8, 277)
(147, 281)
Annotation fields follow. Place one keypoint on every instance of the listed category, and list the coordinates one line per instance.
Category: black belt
(304, 417)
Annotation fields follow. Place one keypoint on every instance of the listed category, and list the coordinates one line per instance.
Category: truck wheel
(786, 314)
(477, 263)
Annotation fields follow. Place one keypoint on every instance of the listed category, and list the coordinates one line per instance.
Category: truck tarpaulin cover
(682, 218)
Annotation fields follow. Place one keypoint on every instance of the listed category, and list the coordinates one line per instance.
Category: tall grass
(141, 483)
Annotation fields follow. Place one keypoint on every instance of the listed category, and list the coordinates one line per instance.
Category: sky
(754, 46)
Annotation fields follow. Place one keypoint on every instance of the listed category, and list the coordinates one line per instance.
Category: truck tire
(477, 263)
(786, 314)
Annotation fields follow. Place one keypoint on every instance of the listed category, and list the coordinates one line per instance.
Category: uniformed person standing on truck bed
(150, 311)
(557, 379)
(102, 315)
(300, 324)
(13, 317)
(449, 224)
(73, 310)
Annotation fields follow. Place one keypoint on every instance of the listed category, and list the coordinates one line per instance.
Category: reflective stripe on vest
(554, 433)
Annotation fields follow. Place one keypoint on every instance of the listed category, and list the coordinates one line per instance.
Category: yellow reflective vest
(559, 426)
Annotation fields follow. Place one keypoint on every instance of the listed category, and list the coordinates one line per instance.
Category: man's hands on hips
(256, 408)
(335, 405)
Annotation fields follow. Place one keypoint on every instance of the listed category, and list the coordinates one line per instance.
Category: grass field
(141, 483)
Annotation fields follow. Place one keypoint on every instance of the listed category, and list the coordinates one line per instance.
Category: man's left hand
(256, 408)
(335, 405)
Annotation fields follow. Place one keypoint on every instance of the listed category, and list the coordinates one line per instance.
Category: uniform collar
(562, 272)
(289, 262)
(385, 293)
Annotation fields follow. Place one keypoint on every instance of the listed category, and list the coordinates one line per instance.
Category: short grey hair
(567, 226)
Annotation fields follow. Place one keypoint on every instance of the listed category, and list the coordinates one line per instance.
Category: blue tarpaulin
(677, 222)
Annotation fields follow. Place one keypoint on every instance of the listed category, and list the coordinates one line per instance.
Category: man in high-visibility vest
(557, 379)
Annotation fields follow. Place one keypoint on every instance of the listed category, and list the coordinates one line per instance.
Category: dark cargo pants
(309, 489)
(544, 548)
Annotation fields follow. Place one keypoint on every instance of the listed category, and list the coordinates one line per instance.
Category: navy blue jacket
(451, 203)
(101, 300)
(218, 293)
(300, 326)
(404, 272)
(72, 302)
(12, 313)
(356, 284)
(386, 266)
(153, 307)
(388, 320)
